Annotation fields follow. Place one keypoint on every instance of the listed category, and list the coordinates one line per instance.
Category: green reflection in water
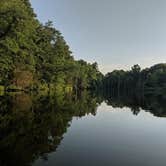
(33, 125)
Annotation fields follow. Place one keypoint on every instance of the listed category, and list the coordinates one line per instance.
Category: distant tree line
(147, 81)
(36, 56)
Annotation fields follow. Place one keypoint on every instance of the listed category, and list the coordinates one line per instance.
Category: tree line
(36, 56)
(146, 81)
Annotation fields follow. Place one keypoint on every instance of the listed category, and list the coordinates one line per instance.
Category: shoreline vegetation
(35, 57)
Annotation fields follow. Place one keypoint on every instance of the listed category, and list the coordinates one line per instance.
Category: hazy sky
(115, 33)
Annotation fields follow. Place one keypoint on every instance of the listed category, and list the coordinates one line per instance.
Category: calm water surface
(84, 131)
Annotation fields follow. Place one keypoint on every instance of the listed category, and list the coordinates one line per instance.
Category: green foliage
(26, 46)
(148, 81)
(2, 88)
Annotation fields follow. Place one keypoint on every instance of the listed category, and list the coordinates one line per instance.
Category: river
(84, 130)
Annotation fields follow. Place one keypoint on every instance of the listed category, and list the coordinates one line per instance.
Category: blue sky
(114, 33)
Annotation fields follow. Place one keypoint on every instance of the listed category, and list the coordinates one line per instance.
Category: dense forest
(149, 81)
(34, 56)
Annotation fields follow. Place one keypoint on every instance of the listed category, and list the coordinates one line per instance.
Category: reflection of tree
(135, 110)
(32, 126)
(154, 104)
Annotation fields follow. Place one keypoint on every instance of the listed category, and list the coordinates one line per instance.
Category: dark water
(82, 130)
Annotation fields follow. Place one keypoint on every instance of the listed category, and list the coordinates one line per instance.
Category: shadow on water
(33, 125)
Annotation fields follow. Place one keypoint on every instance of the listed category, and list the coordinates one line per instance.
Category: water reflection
(33, 125)
(151, 103)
